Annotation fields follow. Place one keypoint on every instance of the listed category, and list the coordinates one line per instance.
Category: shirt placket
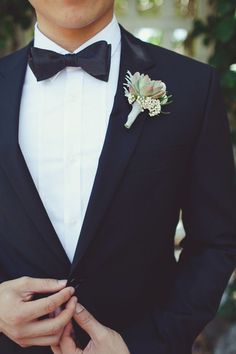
(72, 153)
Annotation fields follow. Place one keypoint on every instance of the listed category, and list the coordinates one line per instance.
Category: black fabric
(95, 60)
(124, 268)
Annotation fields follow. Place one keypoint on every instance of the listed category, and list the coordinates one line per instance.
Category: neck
(71, 39)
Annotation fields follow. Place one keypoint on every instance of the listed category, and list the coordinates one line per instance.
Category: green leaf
(229, 80)
(225, 29)
(225, 7)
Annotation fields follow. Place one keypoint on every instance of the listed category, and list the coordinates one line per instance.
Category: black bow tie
(95, 60)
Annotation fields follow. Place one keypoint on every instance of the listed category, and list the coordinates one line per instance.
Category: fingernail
(79, 309)
(62, 282)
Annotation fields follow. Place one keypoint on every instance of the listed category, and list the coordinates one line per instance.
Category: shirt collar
(111, 34)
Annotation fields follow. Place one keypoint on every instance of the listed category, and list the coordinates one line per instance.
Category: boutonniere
(144, 93)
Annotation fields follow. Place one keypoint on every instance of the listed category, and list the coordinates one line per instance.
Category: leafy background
(14, 15)
(220, 32)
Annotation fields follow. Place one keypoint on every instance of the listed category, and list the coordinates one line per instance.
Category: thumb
(88, 323)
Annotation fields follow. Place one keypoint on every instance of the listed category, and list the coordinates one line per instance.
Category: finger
(47, 305)
(86, 321)
(58, 311)
(47, 341)
(51, 326)
(67, 344)
(56, 350)
(41, 286)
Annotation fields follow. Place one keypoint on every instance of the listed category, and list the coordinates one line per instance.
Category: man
(89, 201)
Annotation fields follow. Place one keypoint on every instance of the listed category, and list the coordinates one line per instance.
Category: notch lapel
(118, 146)
(12, 73)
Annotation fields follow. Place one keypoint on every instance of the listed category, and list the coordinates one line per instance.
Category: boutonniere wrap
(144, 93)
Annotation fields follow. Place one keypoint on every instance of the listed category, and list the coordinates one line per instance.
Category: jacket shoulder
(168, 58)
(12, 58)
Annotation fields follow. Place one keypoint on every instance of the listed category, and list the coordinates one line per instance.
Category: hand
(103, 339)
(19, 313)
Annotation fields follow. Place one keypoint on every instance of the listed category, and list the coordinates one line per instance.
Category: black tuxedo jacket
(124, 268)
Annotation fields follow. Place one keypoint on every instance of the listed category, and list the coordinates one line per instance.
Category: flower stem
(136, 110)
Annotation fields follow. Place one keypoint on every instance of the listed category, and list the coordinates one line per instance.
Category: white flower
(144, 93)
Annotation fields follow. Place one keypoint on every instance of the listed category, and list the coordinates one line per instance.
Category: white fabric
(62, 126)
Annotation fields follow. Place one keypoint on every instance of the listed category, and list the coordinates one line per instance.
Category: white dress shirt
(62, 126)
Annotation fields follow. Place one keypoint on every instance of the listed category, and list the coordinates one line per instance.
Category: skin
(20, 314)
(70, 23)
(103, 339)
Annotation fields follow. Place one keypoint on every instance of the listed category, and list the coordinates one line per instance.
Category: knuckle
(42, 284)
(46, 283)
(118, 336)
(16, 334)
(25, 280)
(114, 333)
(85, 320)
(23, 344)
(18, 318)
(13, 321)
(103, 336)
(51, 305)
(56, 328)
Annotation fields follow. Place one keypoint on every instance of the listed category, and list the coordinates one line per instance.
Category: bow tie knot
(71, 60)
(95, 60)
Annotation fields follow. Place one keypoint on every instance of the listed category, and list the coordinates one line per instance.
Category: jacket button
(75, 283)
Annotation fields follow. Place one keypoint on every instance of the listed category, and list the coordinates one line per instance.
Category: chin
(76, 21)
(75, 24)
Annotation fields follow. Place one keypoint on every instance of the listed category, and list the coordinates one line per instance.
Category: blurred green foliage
(219, 31)
(143, 7)
(14, 14)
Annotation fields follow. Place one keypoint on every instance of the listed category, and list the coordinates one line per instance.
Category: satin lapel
(118, 146)
(12, 74)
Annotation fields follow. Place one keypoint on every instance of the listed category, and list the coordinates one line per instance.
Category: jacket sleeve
(209, 248)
